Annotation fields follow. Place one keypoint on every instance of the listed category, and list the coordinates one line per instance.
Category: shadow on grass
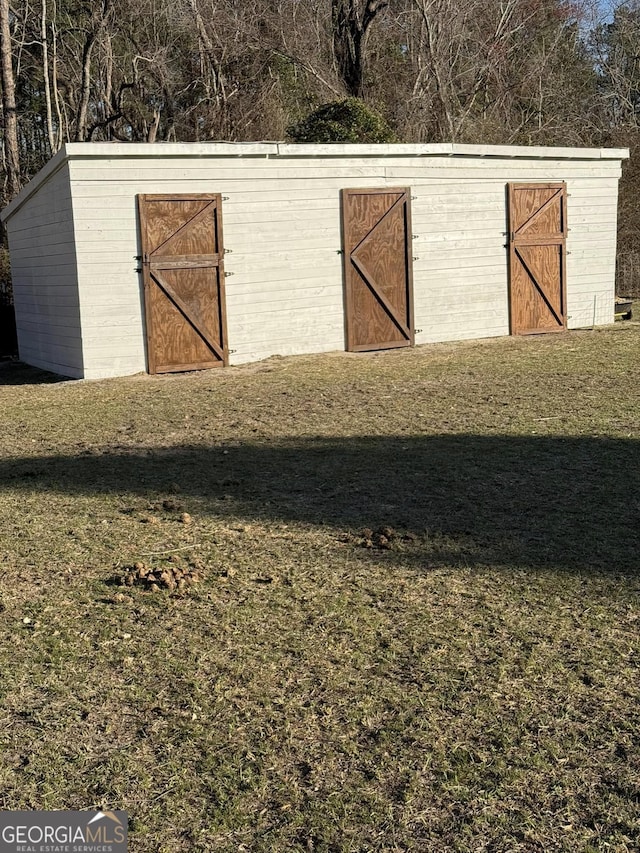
(486, 500)
(14, 372)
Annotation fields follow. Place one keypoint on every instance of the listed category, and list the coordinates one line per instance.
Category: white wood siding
(281, 221)
(45, 284)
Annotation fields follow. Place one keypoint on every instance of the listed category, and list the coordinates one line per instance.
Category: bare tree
(352, 21)
(97, 22)
(50, 76)
(496, 72)
(11, 148)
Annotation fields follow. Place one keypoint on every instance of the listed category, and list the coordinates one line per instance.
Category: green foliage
(349, 120)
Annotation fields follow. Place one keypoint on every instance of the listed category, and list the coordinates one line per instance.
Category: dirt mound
(175, 575)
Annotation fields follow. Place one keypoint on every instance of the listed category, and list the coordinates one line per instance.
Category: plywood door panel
(378, 268)
(183, 281)
(537, 258)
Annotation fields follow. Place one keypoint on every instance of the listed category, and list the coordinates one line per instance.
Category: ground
(385, 602)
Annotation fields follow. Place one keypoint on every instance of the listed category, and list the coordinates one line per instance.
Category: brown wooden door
(378, 268)
(537, 258)
(183, 272)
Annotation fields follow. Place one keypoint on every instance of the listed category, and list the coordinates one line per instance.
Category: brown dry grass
(472, 685)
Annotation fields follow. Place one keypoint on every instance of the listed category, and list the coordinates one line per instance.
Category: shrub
(349, 120)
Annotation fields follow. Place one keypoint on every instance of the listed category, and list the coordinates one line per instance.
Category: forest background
(528, 72)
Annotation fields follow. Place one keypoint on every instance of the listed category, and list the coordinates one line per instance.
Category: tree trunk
(60, 134)
(351, 24)
(208, 50)
(10, 116)
(46, 79)
(98, 23)
(85, 88)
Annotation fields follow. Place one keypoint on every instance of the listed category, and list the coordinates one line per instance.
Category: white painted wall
(281, 221)
(45, 284)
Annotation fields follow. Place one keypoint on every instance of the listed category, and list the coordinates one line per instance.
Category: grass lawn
(416, 626)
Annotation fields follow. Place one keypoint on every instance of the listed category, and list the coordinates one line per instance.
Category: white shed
(128, 257)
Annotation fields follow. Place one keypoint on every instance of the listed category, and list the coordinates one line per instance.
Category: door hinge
(228, 251)
(415, 258)
(414, 236)
(228, 274)
(225, 198)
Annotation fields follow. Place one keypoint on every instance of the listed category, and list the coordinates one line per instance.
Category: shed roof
(272, 150)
